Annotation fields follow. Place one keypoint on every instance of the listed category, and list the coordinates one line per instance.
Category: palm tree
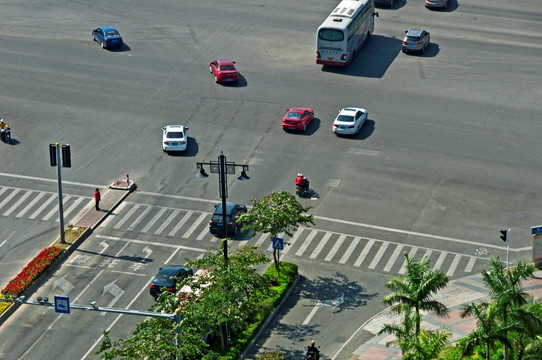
(506, 291)
(428, 345)
(415, 289)
(404, 331)
(488, 329)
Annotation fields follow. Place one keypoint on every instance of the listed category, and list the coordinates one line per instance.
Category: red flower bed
(41, 262)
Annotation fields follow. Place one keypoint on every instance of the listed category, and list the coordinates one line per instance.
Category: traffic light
(505, 235)
(52, 154)
(66, 156)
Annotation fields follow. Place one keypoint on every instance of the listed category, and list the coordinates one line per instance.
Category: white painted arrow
(64, 284)
(104, 246)
(332, 302)
(114, 290)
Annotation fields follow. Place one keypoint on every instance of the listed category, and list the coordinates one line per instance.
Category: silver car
(416, 40)
(436, 3)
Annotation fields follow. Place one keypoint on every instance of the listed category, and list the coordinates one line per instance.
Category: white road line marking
(364, 253)
(30, 204)
(321, 245)
(470, 264)
(379, 255)
(335, 248)
(154, 219)
(196, 223)
(311, 314)
(350, 250)
(19, 202)
(127, 216)
(180, 223)
(306, 243)
(292, 241)
(113, 216)
(393, 258)
(73, 206)
(261, 239)
(166, 223)
(453, 267)
(440, 260)
(139, 218)
(55, 210)
(9, 197)
(202, 234)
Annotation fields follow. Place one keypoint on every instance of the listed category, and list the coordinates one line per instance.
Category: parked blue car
(108, 37)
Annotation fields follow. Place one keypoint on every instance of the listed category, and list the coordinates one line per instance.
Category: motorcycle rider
(302, 181)
(3, 127)
(313, 350)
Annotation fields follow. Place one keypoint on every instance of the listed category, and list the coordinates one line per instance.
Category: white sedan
(349, 121)
(174, 138)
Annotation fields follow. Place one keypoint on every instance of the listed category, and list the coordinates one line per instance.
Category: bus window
(331, 35)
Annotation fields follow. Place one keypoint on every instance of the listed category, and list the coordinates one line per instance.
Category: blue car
(108, 37)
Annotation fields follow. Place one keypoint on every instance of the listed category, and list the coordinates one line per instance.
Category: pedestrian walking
(97, 197)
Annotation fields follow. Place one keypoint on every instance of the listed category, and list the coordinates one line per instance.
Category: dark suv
(167, 277)
(232, 211)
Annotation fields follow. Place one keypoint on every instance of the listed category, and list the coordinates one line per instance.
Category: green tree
(220, 303)
(276, 213)
(403, 331)
(415, 290)
(428, 344)
(506, 291)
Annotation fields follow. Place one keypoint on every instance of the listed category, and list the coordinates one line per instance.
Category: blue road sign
(536, 230)
(62, 304)
(278, 243)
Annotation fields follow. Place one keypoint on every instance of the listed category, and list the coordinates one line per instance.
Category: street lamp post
(223, 168)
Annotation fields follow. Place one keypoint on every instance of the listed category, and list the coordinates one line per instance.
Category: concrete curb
(268, 320)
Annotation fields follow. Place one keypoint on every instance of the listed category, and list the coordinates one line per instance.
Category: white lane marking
(30, 204)
(19, 202)
(311, 314)
(364, 253)
(335, 248)
(393, 257)
(453, 267)
(350, 250)
(379, 255)
(167, 222)
(321, 245)
(470, 265)
(196, 223)
(127, 216)
(140, 218)
(180, 223)
(306, 243)
(55, 209)
(73, 206)
(10, 196)
(440, 260)
(157, 216)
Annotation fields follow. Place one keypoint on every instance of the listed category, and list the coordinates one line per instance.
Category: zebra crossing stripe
(180, 223)
(154, 219)
(261, 239)
(202, 234)
(51, 198)
(292, 241)
(454, 264)
(139, 218)
(9, 197)
(428, 253)
(440, 260)
(364, 253)
(335, 247)
(379, 255)
(54, 210)
(306, 243)
(320, 245)
(113, 215)
(127, 216)
(73, 206)
(470, 264)
(168, 221)
(189, 232)
(393, 257)
(19, 202)
(350, 250)
(30, 205)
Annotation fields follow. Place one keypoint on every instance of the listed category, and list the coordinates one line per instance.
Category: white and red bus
(344, 32)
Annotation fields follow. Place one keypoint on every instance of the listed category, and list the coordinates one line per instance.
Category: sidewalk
(110, 199)
(458, 293)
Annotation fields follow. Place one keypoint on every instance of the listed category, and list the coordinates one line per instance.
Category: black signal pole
(223, 168)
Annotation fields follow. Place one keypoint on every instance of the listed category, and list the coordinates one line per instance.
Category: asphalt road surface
(447, 158)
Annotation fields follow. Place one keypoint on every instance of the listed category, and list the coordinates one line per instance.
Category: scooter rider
(302, 181)
(313, 350)
(3, 127)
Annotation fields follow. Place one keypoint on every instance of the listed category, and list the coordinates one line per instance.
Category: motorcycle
(6, 135)
(302, 189)
(313, 355)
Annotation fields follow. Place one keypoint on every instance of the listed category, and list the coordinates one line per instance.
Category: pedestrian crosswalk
(330, 247)
(40, 205)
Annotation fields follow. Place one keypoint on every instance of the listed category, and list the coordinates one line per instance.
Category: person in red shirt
(97, 198)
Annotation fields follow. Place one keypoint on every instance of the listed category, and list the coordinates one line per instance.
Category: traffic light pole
(505, 236)
(60, 204)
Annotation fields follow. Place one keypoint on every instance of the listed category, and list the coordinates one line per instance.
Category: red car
(224, 71)
(297, 119)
